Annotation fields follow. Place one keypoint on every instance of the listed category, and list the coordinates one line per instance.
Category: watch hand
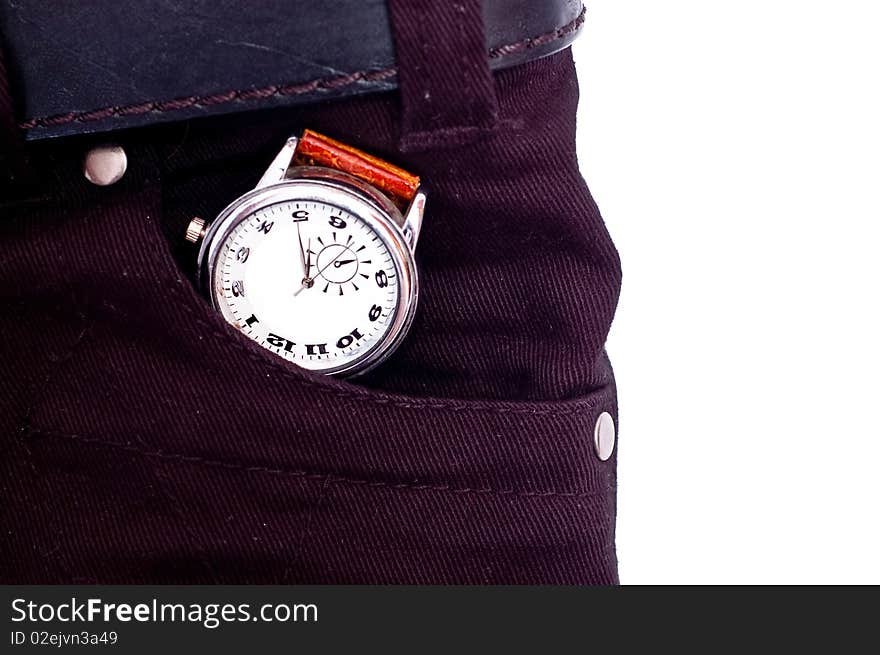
(342, 262)
(309, 257)
(302, 251)
(331, 262)
(308, 281)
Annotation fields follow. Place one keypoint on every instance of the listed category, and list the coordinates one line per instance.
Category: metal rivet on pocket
(105, 165)
(604, 436)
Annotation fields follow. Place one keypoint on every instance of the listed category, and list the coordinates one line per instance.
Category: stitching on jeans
(244, 95)
(453, 136)
(26, 431)
(307, 531)
(163, 487)
(325, 477)
(426, 74)
(55, 365)
(577, 407)
(465, 69)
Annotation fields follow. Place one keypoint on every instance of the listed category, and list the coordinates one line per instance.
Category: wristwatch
(316, 264)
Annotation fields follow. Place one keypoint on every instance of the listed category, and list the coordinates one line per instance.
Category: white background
(734, 149)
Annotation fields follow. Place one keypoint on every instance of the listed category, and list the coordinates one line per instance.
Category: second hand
(308, 282)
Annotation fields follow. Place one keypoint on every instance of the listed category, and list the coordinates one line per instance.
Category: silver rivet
(604, 436)
(105, 165)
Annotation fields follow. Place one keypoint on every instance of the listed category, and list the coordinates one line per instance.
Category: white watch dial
(310, 281)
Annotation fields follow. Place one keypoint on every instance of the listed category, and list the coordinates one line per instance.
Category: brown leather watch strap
(316, 149)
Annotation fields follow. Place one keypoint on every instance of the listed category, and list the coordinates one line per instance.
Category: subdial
(338, 265)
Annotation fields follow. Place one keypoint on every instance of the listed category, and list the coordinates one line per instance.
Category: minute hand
(302, 251)
(329, 264)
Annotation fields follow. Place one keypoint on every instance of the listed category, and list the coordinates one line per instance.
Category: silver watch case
(399, 231)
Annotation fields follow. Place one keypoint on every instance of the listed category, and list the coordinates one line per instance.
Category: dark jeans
(145, 440)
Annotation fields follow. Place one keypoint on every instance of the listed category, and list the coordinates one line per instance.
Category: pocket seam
(325, 477)
(39, 388)
(533, 408)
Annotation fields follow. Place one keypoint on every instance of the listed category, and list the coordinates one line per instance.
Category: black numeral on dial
(381, 279)
(242, 254)
(280, 342)
(337, 222)
(238, 288)
(348, 339)
(300, 215)
(266, 226)
(316, 349)
(375, 312)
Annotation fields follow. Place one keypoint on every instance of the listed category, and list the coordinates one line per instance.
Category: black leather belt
(106, 65)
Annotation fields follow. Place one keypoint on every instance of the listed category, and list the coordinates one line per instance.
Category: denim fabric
(145, 440)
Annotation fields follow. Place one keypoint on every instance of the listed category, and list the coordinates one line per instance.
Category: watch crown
(195, 230)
